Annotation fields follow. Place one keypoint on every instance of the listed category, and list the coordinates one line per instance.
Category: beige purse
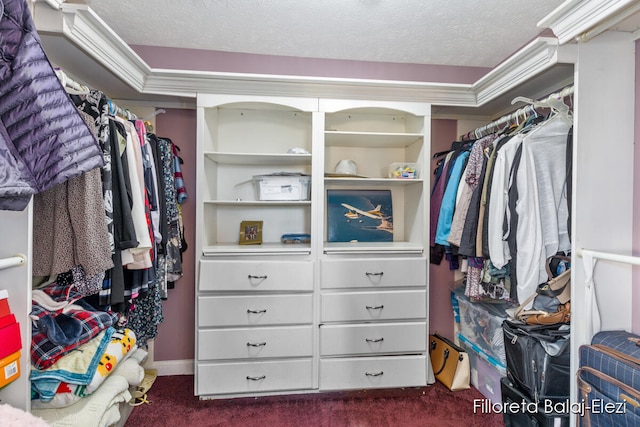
(450, 363)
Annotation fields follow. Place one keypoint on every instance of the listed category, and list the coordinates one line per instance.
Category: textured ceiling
(442, 32)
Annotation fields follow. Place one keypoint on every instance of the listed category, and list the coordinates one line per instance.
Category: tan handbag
(450, 363)
(551, 301)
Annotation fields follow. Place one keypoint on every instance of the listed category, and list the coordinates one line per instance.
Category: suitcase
(518, 410)
(609, 380)
(539, 360)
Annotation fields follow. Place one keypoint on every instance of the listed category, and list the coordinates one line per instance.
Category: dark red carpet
(173, 404)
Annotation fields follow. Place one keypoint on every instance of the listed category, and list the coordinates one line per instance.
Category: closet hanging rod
(79, 89)
(71, 85)
(626, 259)
(13, 261)
(116, 110)
(549, 102)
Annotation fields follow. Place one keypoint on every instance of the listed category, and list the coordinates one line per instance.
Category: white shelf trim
(265, 203)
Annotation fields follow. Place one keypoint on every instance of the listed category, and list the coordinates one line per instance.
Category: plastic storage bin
(481, 324)
(283, 187)
(403, 170)
(486, 372)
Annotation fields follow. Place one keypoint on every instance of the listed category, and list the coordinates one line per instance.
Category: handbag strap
(617, 354)
(444, 362)
(520, 310)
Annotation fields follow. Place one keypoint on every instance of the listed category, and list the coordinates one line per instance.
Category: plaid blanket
(87, 323)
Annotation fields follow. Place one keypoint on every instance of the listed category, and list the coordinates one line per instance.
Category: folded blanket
(98, 410)
(80, 373)
(45, 352)
(67, 395)
(77, 367)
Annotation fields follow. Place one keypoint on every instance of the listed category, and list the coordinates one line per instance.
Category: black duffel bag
(538, 359)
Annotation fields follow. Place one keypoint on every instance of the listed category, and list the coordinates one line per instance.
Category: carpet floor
(172, 403)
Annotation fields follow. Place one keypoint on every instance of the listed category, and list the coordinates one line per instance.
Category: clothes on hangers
(43, 139)
(542, 203)
(510, 210)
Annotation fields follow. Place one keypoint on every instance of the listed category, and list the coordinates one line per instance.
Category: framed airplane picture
(359, 216)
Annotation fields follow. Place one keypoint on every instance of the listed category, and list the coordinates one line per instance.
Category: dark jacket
(43, 139)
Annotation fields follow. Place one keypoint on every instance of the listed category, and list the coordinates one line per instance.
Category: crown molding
(81, 26)
(55, 4)
(575, 17)
(532, 59)
(189, 83)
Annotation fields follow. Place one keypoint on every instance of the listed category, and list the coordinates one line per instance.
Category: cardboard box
(10, 341)
(9, 368)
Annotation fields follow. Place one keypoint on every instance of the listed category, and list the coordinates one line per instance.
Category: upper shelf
(373, 182)
(260, 159)
(370, 139)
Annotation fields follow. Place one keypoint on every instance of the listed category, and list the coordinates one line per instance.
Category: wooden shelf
(275, 248)
(372, 248)
(262, 203)
(258, 159)
(373, 182)
(370, 139)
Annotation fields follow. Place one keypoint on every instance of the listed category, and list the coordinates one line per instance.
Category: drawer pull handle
(374, 339)
(374, 274)
(264, 310)
(256, 344)
(374, 307)
(374, 374)
(261, 377)
(251, 276)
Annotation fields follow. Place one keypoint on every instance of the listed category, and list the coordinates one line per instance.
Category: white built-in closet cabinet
(326, 315)
(603, 71)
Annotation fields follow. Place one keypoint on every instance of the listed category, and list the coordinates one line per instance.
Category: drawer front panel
(252, 310)
(370, 339)
(254, 377)
(373, 372)
(243, 276)
(381, 305)
(255, 343)
(378, 272)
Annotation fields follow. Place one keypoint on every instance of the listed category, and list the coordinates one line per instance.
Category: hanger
(70, 86)
(554, 102)
(155, 113)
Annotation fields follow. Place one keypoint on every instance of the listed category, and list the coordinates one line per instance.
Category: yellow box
(9, 368)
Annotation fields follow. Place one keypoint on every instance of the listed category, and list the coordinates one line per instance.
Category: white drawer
(369, 339)
(380, 305)
(256, 276)
(374, 272)
(373, 372)
(260, 310)
(255, 343)
(253, 377)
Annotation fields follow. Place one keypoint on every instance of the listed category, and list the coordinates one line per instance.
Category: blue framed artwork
(359, 216)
